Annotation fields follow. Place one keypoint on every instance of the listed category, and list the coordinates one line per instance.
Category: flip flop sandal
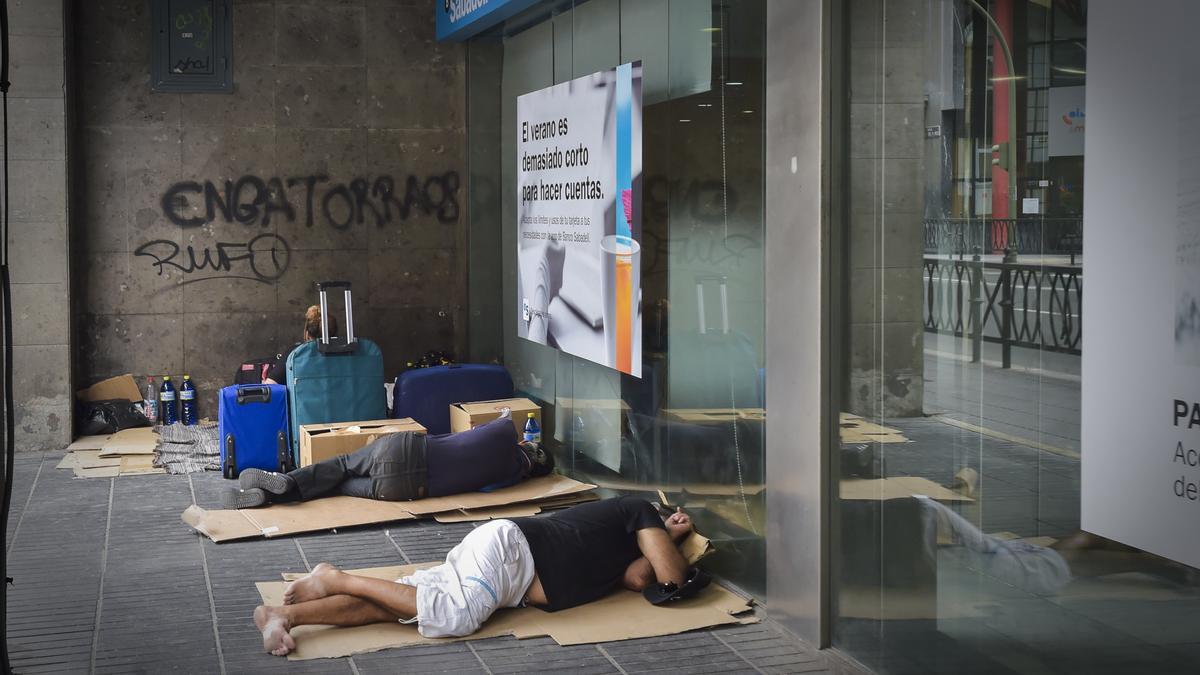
(659, 594)
(275, 483)
(245, 499)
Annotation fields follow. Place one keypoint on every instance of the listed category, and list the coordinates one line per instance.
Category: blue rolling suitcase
(426, 394)
(253, 422)
(335, 378)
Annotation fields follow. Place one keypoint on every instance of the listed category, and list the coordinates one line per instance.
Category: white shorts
(490, 568)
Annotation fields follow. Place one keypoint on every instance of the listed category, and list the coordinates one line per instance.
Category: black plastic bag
(97, 418)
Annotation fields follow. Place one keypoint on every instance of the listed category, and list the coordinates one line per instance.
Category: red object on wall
(1002, 87)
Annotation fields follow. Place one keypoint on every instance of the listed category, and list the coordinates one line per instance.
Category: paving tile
(85, 570)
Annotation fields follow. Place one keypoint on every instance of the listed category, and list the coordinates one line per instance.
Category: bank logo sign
(458, 20)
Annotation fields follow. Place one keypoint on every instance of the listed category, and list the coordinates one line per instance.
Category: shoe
(270, 481)
(696, 580)
(245, 499)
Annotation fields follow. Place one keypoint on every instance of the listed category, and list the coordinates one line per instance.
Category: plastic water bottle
(187, 401)
(166, 399)
(150, 403)
(533, 432)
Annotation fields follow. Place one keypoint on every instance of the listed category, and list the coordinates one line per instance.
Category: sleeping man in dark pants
(403, 466)
(554, 562)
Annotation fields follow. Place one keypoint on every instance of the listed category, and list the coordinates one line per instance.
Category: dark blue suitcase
(253, 422)
(426, 394)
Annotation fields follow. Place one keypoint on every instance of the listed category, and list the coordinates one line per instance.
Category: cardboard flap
(89, 442)
(333, 512)
(622, 615)
(98, 472)
(495, 405)
(514, 511)
(323, 514)
(139, 441)
(402, 424)
(525, 491)
(121, 386)
(220, 525)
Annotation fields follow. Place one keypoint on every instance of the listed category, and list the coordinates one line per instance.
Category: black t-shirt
(278, 370)
(581, 553)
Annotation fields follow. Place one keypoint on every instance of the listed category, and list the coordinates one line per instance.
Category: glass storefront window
(692, 425)
(957, 544)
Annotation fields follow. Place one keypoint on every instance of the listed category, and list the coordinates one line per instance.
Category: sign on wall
(579, 165)
(460, 19)
(1065, 121)
(1141, 313)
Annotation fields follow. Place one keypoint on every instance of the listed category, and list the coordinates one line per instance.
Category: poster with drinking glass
(579, 177)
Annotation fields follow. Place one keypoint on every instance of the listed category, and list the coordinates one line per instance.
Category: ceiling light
(747, 111)
(703, 105)
(710, 29)
(685, 120)
(734, 84)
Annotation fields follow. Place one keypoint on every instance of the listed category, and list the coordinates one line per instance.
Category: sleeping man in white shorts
(554, 562)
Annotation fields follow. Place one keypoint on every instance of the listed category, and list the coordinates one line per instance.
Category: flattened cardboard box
(319, 442)
(138, 441)
(623, 615)
(465, 415)
(333, 512)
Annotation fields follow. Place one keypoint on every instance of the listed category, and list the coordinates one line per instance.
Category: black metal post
(1006, 316)
(975, 274)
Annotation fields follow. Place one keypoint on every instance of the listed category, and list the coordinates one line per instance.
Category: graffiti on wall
(314, 200)
(264, 258)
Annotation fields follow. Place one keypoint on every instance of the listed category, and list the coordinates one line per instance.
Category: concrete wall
(37, 236)
(349, 120)
(885, 202)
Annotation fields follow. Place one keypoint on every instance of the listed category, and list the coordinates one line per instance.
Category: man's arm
(640, 573)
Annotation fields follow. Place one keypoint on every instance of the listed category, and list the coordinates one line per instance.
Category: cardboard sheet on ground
(623, 615)
(333, 512)
(855, 429)
(898, 487)
(140, 441)
(89, 442)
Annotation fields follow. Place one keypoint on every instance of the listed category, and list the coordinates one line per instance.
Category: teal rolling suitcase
(335, 378)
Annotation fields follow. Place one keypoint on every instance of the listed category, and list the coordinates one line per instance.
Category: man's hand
(679, 525)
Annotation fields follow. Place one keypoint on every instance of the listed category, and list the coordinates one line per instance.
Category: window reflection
(958, 541)
(692, 425)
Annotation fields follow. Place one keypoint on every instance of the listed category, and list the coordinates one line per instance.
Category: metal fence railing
(1014, 305)
(1012, 236)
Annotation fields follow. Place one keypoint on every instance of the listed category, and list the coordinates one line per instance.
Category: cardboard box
(465, 416)
(319, 442)
(121, 386)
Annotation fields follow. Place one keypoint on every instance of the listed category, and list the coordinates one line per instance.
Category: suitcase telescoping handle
(336, 346)
(721, 285)
(253, 393)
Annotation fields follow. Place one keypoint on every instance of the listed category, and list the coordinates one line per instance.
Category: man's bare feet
(273, 623)
(312, 586)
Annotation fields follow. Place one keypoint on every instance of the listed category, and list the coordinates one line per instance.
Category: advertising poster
(1141, 312)
(1066, 121)
(579, 176)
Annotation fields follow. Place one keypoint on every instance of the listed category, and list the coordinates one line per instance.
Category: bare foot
(274, 626)
(312, 586)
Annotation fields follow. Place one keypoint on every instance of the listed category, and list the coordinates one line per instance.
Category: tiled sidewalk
(108, 579)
